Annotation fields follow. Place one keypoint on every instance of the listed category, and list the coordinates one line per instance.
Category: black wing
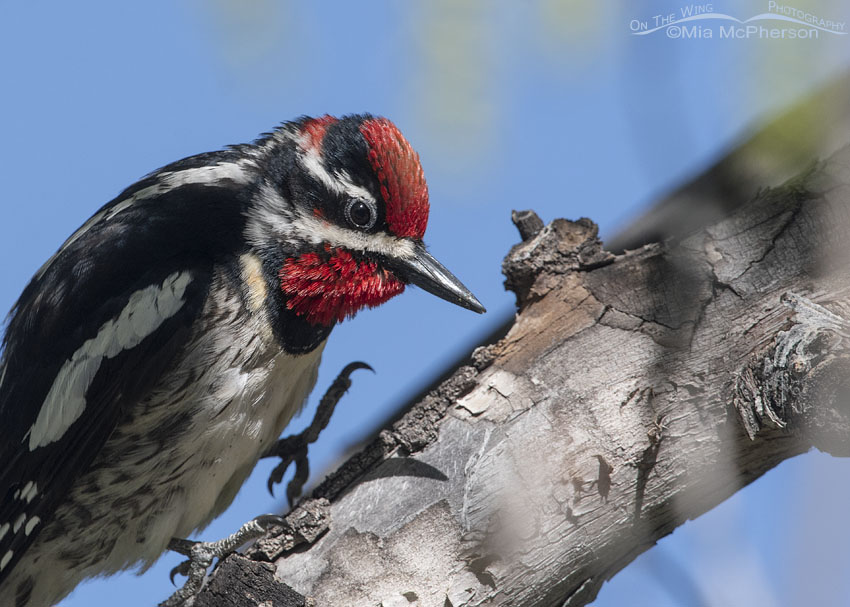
(160, 245)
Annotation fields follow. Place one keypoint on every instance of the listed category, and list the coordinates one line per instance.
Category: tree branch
(633, 392)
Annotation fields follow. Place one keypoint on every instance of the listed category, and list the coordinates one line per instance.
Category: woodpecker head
(343, 209)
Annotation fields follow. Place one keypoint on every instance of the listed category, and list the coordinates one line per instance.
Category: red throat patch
(403, 186)
(327, 290)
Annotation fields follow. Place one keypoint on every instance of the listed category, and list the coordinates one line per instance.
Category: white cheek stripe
(5, 560)
(319, 231)
(165, 183)
(145, 311)
(273, 216)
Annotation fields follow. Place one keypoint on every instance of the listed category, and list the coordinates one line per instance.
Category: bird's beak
(425, 272)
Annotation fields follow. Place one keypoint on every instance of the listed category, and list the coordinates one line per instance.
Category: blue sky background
(550, 105)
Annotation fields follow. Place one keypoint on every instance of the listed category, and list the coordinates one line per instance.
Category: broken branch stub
(632, 393)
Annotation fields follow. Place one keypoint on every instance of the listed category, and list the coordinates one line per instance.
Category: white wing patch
(166, 182)
(145, 311)
(29, 491)
(31, 524)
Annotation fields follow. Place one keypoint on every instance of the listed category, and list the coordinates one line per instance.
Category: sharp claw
(352, 367)
(202, 555)
(276, 476)
(294, 448)
(302, 473)
(181, 569)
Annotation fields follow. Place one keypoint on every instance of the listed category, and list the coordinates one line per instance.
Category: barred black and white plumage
(170, 340)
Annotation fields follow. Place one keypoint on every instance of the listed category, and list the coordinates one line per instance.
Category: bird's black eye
(360, 214)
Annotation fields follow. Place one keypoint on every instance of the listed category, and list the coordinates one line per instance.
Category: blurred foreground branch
(815, 127)
(632, 393)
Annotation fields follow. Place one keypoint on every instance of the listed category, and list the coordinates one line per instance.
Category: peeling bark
(632, 393)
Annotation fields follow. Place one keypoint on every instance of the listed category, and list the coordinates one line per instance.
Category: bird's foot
(201, 555)
(294, 448)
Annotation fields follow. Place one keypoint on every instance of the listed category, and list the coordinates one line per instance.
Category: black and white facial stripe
(285, 220)
(155, 355)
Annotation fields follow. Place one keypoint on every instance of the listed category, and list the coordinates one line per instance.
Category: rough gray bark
(240, 582)
(632, 393)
